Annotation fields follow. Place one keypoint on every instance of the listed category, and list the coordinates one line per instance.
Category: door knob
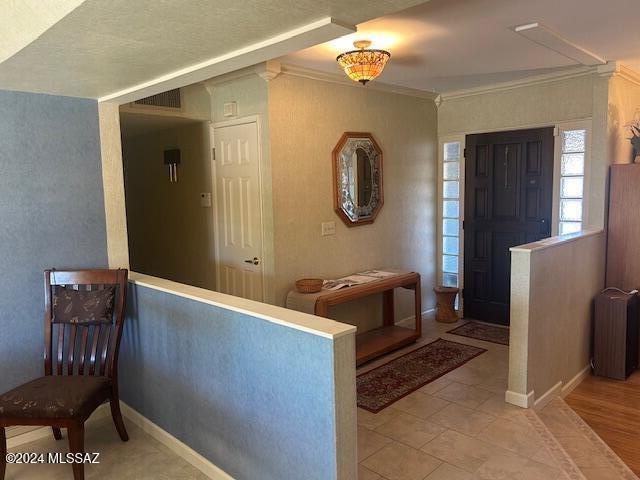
(254, 261)
(545, 227)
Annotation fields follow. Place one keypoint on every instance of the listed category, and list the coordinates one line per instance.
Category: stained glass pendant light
(363, 64)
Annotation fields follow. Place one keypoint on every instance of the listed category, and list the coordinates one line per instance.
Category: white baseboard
(560, 389)
(412, 317)
(575, 381)
(519, 399)
(549, 395)
(176, 446)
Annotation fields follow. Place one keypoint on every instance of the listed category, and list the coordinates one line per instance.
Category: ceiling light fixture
(364, 64)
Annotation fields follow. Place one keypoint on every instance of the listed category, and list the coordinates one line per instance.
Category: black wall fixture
(172, 158)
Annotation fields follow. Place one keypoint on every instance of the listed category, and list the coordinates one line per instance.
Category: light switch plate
(328, 228)
(205, 199)
(230, 109)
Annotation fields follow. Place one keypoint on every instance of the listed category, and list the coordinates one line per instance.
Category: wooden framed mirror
(357, 178)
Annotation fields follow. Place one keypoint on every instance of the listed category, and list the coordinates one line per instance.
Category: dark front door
(508, 202)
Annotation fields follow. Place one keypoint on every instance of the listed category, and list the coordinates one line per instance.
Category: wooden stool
(445, 304)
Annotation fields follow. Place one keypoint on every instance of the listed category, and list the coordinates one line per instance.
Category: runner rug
(384, 385)
(481, 331)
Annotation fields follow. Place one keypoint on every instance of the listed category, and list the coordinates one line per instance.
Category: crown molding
(266, 70)
(341, 79)
(617, 69)
(523, 82)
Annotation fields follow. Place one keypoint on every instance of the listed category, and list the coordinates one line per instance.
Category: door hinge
(556, 131)
(464, 152)
(213, 151)
(463, 224)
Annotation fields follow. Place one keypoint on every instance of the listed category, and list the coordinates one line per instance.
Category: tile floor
(457, 427)
(141, 458)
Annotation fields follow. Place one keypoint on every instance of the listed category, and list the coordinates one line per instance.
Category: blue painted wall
(253, 397)
(51, 214)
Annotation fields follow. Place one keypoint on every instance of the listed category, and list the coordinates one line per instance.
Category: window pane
(572, 164)
(571, 187)
(451, 208)
(450, 279)
(451, 189)
(451, 151)
(573, 141)
(450, 227)
(450, 263)
(570, 227)
(451, 170)
(450, 245)
(571, 210)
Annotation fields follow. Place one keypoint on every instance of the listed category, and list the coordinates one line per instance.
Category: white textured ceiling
(103, 47)
(23, 21)
(446, 45)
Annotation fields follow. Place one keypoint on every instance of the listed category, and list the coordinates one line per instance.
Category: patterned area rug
(481, 331)
(384, 385)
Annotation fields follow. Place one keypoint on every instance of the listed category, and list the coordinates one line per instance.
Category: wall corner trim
(617, 69)
(519, 399)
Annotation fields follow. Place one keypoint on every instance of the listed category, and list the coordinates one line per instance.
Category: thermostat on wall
(230, 109)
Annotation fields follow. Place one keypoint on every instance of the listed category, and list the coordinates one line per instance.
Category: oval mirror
(357, 168)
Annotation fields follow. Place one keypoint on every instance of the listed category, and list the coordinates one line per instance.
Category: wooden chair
(81, 372)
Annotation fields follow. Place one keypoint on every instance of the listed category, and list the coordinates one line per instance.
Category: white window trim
(439, 193)
(585, 125)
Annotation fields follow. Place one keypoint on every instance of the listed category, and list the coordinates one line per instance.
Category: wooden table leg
(418, 307)
(321, 309)
(388, 309)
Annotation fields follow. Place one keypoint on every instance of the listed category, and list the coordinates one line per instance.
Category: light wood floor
(612, 410)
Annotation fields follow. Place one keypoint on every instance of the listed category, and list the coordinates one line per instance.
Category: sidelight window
(450, 189)
(572, 166)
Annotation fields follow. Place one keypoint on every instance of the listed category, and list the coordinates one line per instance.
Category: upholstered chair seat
(56, 396)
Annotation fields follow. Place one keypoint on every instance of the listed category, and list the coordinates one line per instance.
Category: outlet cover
(205, 199)
(328, 228)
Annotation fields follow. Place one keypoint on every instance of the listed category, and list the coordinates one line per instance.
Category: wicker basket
(309, 285)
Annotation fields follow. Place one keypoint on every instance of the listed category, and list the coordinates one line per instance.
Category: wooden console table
(379, 341)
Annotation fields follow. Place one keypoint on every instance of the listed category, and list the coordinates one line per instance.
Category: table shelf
(390, 336)
(379, 341)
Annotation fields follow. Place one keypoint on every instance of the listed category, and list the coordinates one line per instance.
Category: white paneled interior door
(238, 209)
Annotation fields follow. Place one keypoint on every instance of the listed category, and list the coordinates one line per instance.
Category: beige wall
(552, 291)
(524, 106)
(306, 119)
(170, 234)
(624, 107)
(548, 103)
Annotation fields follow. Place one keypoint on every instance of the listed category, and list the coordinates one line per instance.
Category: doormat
(388, 383)
(481, 331)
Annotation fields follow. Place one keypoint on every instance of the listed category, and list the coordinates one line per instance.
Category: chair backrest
(83, 349)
